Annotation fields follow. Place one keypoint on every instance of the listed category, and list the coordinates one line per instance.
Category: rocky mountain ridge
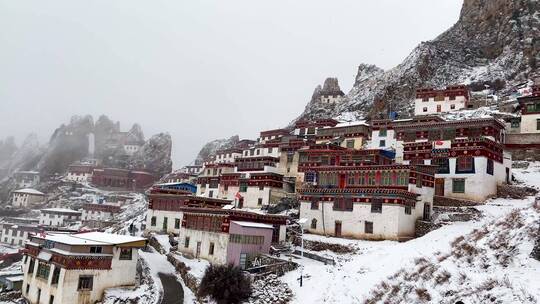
(494, 42)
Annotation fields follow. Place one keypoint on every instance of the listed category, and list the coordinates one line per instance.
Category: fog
(200, 70)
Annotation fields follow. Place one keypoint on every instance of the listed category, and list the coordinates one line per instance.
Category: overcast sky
(197, 69)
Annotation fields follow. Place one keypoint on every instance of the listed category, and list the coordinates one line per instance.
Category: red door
(342, 181)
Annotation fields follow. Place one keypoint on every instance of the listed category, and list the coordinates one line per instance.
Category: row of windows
(246, 239)
(346, 204)
(464, 164)
(368, 226)
(153, 221)
(211, 246)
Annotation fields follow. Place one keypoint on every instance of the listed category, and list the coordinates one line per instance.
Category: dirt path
(173, 293)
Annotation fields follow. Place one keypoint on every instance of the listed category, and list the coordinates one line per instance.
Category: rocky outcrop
(493, 42)
(215, 145)
(317, 109)
(154, 156)
(69, 143)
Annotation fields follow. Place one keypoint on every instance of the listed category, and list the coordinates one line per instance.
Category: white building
(16, 234)
(77, 268)
(430, 101)
(25, 198)
(26, 179)
(99, 212)
(468, 168)
(80, 172)
(530, 112)
(59, 217)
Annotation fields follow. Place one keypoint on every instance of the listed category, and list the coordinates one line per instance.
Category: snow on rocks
(270, 290)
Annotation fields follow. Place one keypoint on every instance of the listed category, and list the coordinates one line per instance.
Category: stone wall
(191, 281)
(515, 192)
(424, 227)
(452, 202)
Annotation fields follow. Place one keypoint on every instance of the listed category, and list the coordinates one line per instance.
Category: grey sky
(199, 70)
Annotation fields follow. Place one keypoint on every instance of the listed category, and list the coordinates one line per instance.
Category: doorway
(337, 229)
(439, 186)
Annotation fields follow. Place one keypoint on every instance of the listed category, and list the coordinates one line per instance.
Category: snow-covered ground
(354, 276)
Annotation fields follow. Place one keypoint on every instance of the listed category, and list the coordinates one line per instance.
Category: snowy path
(173, 292)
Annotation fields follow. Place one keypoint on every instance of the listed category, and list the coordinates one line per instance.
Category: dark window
(465, 164)
(153, 221)
(225, 187)
(418, 180)
(449, 134)
(211, 249)
(261, 187)
(96, 249)
(56, 275)
(490, 166)
(31, 265)
(452, 106)
(382, 143)
(458, 185)
(311, 130)
(368, 227)
(538, 124)
(424, 109)
(125, 253)
(243, 187)
(350, 144)
(382, 132)
(27, 288)
(309, 177)
(408, 209)
(343, 204)
(315, 204)
(165, 221)
(85, 282)
(290, 157)
(43, 270)
(376, 207)
(186, 242)
(443, 165)
(176, 223)
(259, 201)
(313, 224)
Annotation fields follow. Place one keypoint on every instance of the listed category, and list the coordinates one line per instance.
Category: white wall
(431, 105)
(528, 123)
(220, 240)
(160, 218)
(122, 273)
(13, 236)
(386, 225)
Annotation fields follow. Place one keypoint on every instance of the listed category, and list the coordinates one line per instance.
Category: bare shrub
(423, 294)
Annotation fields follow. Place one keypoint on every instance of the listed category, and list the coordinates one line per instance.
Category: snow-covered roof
(15, 278)
(91, 238)
(60, 210)
(351, 123)
(253, 225)
(29, 191)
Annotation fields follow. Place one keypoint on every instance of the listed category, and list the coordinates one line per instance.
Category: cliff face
(154, 155)
(210, 148)
(493, 42)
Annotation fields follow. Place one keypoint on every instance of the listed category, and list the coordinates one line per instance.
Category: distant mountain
(73, 141)
(495, 42)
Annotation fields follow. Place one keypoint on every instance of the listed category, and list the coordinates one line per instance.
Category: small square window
(85, 283)
(424, 109)
(259, 202)
(382, 143)
(125, 253)
(408, 209)
(368, 227)
(458, 185)
(376, 207)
